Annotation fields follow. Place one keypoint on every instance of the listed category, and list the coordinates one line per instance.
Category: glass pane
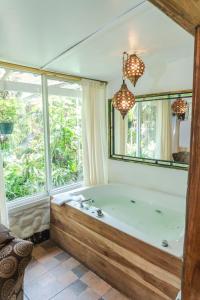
(132, 132)
(22, 148)
(65, 132)
(148, 116)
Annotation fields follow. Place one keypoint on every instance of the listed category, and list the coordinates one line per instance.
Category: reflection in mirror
(152, 129)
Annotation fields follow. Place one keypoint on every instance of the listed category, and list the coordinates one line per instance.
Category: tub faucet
(85, 200)
(99, 212)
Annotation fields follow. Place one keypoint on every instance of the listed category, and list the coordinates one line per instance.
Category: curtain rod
(45, 72)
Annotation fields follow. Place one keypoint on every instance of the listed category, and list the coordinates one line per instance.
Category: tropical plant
(8, 110)
(23, 152)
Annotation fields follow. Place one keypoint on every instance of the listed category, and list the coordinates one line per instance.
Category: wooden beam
(184, 12)
(191, 268)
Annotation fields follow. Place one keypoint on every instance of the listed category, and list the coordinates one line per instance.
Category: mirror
(154, 131)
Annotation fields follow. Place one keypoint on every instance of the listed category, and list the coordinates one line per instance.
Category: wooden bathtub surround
(137, 269)
(191, 270)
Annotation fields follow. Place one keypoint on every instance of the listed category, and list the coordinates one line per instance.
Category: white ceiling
(91, 34)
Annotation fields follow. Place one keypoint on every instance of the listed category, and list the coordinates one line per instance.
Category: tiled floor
(54, 274)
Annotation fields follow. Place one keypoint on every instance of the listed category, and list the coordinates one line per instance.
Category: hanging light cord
(123, 65)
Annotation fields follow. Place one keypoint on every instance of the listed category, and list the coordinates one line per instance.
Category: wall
(160, 77)
(170, 181)
(26, 220)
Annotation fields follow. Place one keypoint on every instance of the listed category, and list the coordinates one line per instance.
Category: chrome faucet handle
(99, 212)
(85, 200)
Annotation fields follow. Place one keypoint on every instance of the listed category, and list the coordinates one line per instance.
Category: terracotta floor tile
(50, 252)
(113, 294)
(48, 244)
(34, 272)
(48, 262)
(62, 256)
(67, 278)
(80, 270)
(38, 252)
(45, 288)
(88, 294)
(60, 270)
(71, 263)
(78, 287)
(54, 251)
(96, 283)
(65, 295)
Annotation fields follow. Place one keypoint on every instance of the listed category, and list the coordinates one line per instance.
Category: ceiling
(87, 37)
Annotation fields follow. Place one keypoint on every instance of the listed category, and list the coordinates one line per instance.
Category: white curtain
(3, 208)
(164, 131)
(94, 132)
(175, 134)
(121, 133)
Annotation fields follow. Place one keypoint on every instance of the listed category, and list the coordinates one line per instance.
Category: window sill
(28, 202)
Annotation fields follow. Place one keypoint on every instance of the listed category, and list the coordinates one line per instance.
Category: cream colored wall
(170, 181)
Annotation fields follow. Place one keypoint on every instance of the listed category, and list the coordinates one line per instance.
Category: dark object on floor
(39, 237)
(15, 254)
(181, 157)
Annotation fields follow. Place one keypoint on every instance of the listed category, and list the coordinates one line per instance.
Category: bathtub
(150, 216)
(144, 227)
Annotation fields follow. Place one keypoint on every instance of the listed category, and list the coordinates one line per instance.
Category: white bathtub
(148, 215)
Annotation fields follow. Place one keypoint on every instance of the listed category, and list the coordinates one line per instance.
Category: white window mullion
(46, 134)
(138, 147)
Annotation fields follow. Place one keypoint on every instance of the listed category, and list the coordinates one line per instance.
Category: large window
(43, 151)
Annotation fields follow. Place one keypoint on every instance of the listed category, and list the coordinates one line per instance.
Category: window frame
(49, 189)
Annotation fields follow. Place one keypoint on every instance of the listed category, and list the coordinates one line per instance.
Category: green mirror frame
(152, 162)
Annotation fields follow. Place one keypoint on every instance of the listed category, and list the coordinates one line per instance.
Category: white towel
(61, 199)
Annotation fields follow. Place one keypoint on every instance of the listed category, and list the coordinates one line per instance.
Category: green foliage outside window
(8, 110)
(23, 151)
(65, 140)
(144, 125)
